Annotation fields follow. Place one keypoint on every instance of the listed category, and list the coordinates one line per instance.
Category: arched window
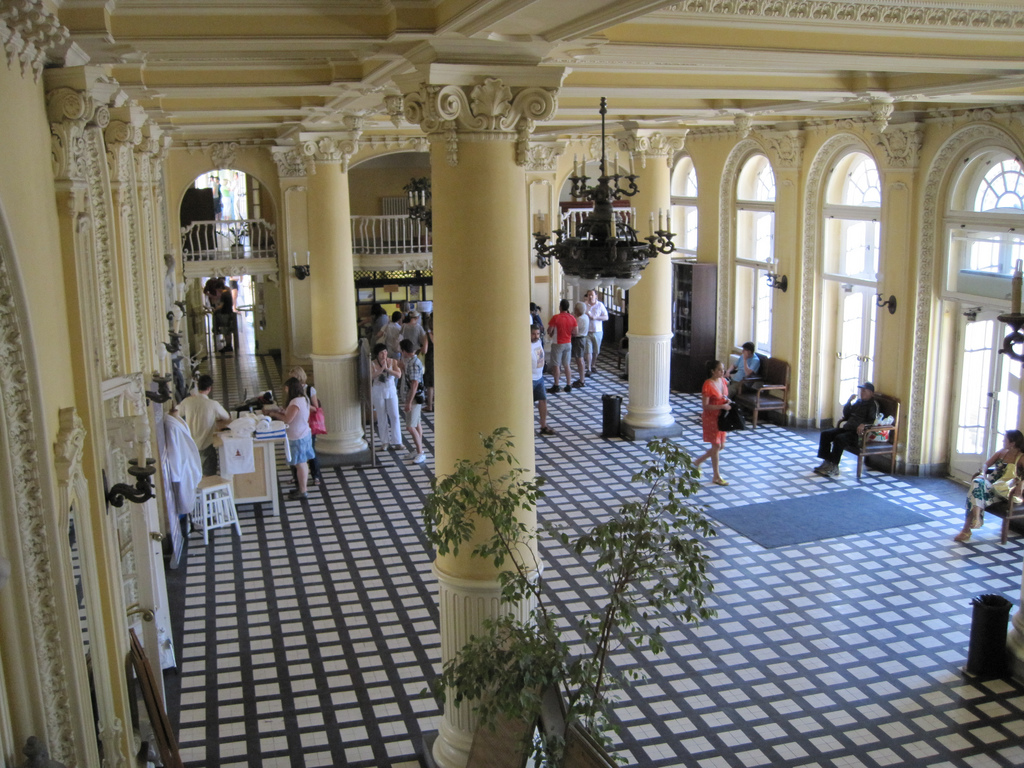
(984, 226)
(684, 207)
(755, 252)
(850, 265)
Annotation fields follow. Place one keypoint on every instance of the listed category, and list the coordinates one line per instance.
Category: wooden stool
(215, 506)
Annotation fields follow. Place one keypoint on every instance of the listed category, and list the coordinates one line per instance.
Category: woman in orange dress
(715, 398)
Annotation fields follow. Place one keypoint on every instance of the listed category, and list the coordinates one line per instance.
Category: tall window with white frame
(684, 207)
(755, 252)
(852, 208)
(984, 226)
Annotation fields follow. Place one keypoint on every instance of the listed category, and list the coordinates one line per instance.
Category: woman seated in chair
(995, 482)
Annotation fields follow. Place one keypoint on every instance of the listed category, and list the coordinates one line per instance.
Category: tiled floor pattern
(310, 640)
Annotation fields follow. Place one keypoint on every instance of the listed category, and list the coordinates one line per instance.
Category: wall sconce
(139, 493)
(301, 271)
(971, 313)
(163, 389)
(775, 280)
(1016, 321)
(890, 303)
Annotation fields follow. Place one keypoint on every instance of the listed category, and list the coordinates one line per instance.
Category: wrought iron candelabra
(139, 493)
(419, 198)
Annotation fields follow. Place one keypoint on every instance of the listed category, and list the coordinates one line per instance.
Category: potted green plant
(649, 557)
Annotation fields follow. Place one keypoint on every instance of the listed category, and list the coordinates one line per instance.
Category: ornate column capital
(641, 144)
(69, 111)
(491, 110)
(333, 147)
(291, 163)
(30, 34)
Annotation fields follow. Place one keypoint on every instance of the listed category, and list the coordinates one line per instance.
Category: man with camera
(412, 399)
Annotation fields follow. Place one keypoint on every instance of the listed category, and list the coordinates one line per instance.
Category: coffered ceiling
(268, 69)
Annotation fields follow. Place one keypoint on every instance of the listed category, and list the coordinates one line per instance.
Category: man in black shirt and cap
(859, 413)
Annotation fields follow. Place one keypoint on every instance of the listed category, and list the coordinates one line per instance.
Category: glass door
(855, 345)
(987, 399)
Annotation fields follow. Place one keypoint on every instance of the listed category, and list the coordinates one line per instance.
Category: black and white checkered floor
(310, 640)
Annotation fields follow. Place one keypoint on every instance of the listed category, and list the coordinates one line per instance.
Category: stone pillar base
(643, 434)
(337, 388)
(649, 361)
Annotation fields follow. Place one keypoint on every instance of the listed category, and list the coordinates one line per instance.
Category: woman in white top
(384, 372)
(300, 443)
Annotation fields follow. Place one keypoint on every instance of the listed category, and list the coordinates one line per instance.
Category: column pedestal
(464, 604)
(336, 378)
(649, 414)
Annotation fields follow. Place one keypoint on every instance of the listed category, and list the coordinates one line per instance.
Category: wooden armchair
(769, 392)
(880, 440)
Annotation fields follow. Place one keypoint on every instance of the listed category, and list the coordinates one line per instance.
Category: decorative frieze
(490, 109)
(784, 148)
(644, 144)
(900, 147)
(30, 34)
(888, 15)
(543, 156)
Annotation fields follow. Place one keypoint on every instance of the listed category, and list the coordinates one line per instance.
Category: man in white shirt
(204, 417)
(537, 368)
(598, 313)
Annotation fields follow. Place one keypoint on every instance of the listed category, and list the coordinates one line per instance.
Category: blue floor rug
(813, 518)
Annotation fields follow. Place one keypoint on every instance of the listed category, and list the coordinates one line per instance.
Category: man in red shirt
(560, 328)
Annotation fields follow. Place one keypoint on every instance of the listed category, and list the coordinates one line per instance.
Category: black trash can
(612, 415)
(986, 654)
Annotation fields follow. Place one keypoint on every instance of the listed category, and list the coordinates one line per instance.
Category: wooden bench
(768, 392)
(880, 440)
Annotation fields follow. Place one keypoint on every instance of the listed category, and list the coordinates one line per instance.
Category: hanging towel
(238, 456)
(181, 462)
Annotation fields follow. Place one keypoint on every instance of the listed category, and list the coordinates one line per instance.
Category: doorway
(855, 340)
(987, 400)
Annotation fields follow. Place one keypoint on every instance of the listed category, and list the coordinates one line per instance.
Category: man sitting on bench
(859, 413)
(747, 367)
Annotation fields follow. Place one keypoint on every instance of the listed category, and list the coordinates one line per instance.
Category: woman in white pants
(384, 372)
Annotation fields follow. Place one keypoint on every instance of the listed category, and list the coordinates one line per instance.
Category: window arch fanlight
(755, 252)
(684, 206)
(985, 225)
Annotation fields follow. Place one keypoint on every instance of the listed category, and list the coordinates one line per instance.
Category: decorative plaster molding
(901, 148)
(543, 157)
(69, 112)
(97, 221)
(290, 163)
(23, 463)
(856, 13)
(416, 143)
(784, 149)
(29, 34)
(490, 107)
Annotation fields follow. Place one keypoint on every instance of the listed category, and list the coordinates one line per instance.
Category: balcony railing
(389, 235)
(228, 239)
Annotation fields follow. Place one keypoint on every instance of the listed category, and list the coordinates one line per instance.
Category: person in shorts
(539, 396)
(561, 328)
(580, 343)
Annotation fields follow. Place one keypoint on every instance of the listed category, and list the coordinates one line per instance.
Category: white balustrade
(389, 235)
(228, 239)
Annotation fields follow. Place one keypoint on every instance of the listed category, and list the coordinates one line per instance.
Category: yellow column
(481, 280)
(332, 296)
(650, 301)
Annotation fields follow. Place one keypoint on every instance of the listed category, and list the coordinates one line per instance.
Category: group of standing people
(400, 380)
(576, 339)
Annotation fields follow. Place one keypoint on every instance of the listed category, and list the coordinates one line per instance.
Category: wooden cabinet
(694, 310)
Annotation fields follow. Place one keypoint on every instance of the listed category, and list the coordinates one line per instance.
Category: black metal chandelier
(603, 248)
